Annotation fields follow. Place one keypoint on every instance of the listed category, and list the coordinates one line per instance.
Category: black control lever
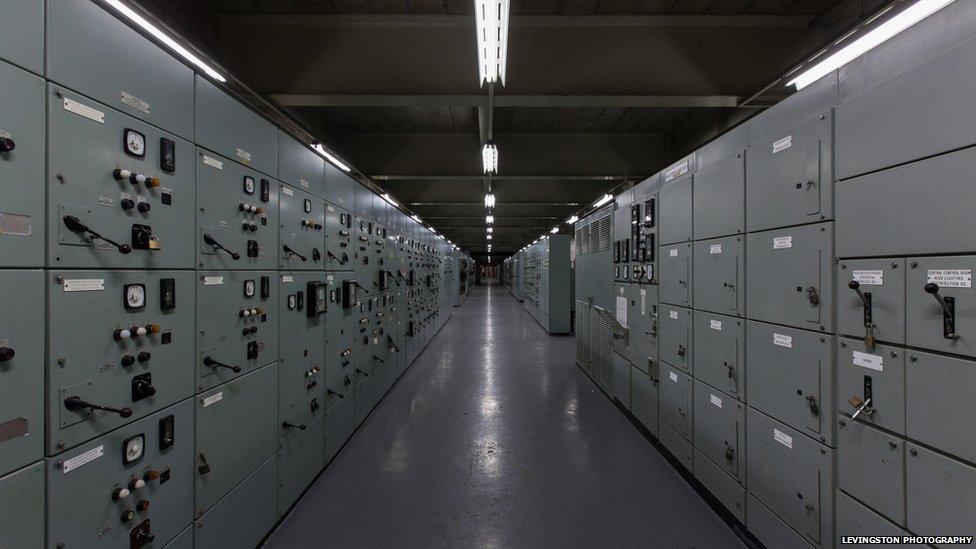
(948, 310)
(76, 404)
(331, 392)
(393, 276)
(865, 300)
(209, 361)
(290, 251)
(360, 285)
(75, 225)
(287, 425)
(362, 372)
(390, 340)
(210, 241)
(342, 260)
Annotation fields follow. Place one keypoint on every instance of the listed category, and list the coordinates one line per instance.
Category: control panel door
(22, 507)
(301, 363)
(941, 307)
(302, 230)
(871, 467)
(720, 430)
(871, 299)
(676, 337)
(340, 239)
(676, 211)
(22, 153)
(130, 357)
(720, 272)
(676, 402)
(871, 383)
(720, 352)
(237, 215)
(675, 278)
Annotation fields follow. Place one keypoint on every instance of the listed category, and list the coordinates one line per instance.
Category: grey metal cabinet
(299, 462)
(236, 431)
(677, 406)
(339, 239)
(720, 430)
(105, 175)
(22, 227)
(676, 210)
(675, 274)
(789, 175)
(937, 387)
(22, 34)
(676, 337)
(719, 198)
(941, 304)
(792, 475)
(302, 230)
(940, 492)
(340, 187)
(621, 381)
(871, 467)
(791, 377)
(890, 213)
(22, 507)
(720, 275)
(301, 358)
(726, 490)
(644, 325)
(237, 215)
(677, 444)
(232, 130)
(876, 373)
(644, 397)
(855, 519)
(871, 299)
(299, 166)
(237, 324)
(93, 52)
(771, 530)
(109, 478)
(720, 352)
(789, 276)
(245, 515)
(21, 369)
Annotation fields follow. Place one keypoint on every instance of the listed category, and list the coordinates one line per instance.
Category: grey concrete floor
(494, 438)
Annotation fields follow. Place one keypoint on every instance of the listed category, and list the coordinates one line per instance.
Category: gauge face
(135, 296)
(308, 206)
(292, 301)
(135, 143)
(133, 448)
(249, 288)
(248, 184)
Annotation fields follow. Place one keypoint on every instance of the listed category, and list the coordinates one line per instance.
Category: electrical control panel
(129, 357)
(302, 316)
(302, 230)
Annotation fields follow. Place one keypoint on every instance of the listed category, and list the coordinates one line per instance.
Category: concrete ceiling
(599, 93)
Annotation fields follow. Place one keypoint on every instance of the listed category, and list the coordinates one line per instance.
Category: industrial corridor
(495, 438)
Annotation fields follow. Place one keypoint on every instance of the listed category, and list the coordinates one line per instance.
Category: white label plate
(867, 360)
(15, 224)
(673, 252)
(84, 285)
(677, 171)
(715, 324)
(304, 183)
(243, 155)
(673, 376)
(951, 278)
(783, 340)
(622, 311)
(715, 401)
(287, 278)
(213, 162)
(783, 438)
(715, 249)
(213, 399)
(673, 314)
(873, 277)
(80, 109)
(82, 459)
(135, 102)
(213, 280)
(286, 190)
(782, 144)
(782, 242)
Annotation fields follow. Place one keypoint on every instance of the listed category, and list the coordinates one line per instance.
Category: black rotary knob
(144, 357)
(127, 204)
(7, 144)
(128, 360)
(144, 207)
(6, 354)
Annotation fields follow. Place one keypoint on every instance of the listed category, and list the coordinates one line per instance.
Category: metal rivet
(914, 264)
(843, 344)
(914, 452)
(914, 358)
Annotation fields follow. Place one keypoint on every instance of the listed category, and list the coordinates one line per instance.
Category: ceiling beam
(482, 101)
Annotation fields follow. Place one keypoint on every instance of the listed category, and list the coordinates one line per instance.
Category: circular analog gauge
(135, 143)
(292, 302)
(248, 184)
(135, 296)
(248, 288)
(134, 448)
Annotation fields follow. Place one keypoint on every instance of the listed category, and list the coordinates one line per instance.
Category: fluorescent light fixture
(490, 230)
(416, 218)
(489, 237)
(158, 33)
(489, 200)
(572, 220)
(606, 198)
(554, 230)
(328, 156)
(489, 219)
(489, 158)
(491, 17)
(388, 198)
(489, 259)
(915, 13)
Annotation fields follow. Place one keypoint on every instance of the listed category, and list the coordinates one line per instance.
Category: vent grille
(605, 224)
(601, 350)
